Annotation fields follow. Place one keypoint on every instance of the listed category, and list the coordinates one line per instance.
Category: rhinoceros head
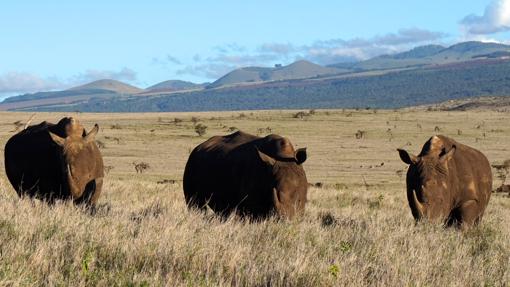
(80, 153)
(428, 184)
(289, 183)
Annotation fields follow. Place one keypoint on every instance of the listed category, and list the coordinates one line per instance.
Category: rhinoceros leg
(97, 192)
(196, 202)
(469, 214)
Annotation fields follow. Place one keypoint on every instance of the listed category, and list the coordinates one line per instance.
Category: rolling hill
(297, 70)
(487, 103)
(109, 85)
(487, 77)
(427, 56)
(101, 89)
(174, 85)
(423, 75)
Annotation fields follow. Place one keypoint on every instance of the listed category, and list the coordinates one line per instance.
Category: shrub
(300, 115)
(200, 129)
(100, 144)
(360, 134)
(140, 167)
(108, 168)
(262, 131)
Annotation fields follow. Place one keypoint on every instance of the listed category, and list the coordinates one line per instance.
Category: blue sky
(58, 44)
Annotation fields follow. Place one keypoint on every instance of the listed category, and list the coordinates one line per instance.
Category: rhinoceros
(253, 176)
(55, 161)
(448, 182)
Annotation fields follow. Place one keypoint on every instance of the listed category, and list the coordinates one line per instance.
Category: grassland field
(357, 229)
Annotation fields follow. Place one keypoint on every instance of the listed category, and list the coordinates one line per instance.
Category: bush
(360, 134)
(300, 115)
(200, 129)
(140, 167)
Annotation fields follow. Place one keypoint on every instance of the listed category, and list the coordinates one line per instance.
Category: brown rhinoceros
(448, 182)
(250, 175)
(55, 161)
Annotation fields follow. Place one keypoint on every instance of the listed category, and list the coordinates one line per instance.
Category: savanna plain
(357, 229)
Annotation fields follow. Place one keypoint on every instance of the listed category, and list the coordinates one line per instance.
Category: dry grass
(357, 229)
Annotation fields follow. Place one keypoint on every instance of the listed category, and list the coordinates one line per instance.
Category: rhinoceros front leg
(469, 214)
(97, 192)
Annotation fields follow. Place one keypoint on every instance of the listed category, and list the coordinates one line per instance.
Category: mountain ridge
(385, 90)
(173, 85)
(109, 85)
(379, 73)
(296, 70)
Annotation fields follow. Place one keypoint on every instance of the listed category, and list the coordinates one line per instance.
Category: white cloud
(339, 50)
(124, 74)
(21, 82)
(278, 48)
(496, 18)
(408, 36)
(232, 56)
(166, 61)
(206, 70)
(14, 82)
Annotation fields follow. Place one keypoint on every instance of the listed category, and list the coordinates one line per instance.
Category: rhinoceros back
(218, 170)
(33, 163)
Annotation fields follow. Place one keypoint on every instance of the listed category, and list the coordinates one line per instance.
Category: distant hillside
(109, 85)
(427, 56)
(101, 89)
(494, 55)
(297, 70)
(418, 52)
(424, 75)
(56, 94)
(173, 85)
(388, 90)
(501, 104)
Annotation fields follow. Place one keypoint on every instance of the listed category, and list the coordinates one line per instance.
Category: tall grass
(357, 229)
(142, 235)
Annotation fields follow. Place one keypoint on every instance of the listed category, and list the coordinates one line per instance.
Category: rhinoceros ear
(301, 155)
(447, 155)
(58, 140)
(91, 136)
(406, 157)
(265, 158)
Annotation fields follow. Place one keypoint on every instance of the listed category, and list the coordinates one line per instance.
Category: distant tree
(360, 134)
(200, 129)
(140, 167)
(262, 131)
(108, 168)
(301, 115)
(265, 76)
(100, 144)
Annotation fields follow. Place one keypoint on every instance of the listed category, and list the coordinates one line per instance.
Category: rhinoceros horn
(417, 204)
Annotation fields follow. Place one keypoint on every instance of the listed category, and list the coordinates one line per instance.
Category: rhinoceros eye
(431, 182)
